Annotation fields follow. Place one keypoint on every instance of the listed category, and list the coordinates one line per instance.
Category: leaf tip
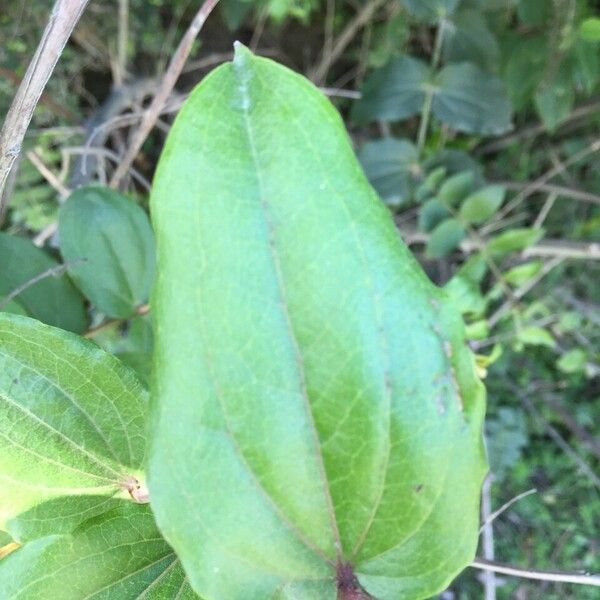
(241, 53)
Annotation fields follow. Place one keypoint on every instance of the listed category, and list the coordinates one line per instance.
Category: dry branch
(164, 90)
(64, 17)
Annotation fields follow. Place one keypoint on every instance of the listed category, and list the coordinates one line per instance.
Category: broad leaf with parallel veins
(317, 417)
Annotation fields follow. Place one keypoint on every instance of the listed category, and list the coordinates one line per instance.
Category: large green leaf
(71, 427)
(114, 238)
(316, 412)
(120, 554)
(392, 166)
(47, 294)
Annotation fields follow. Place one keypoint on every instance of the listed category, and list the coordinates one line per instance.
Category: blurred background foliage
(478, 123)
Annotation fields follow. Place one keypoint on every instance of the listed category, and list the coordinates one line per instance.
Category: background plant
(500, 204)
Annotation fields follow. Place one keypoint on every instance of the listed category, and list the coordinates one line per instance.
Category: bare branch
(64, 17)
(546, 249)
(556, 576)
(360, 20)
(56, 271)
(164, 89)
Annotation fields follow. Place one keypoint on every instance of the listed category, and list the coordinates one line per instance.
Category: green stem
(426, 110)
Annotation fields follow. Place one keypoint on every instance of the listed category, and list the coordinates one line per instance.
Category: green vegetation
(314, 428)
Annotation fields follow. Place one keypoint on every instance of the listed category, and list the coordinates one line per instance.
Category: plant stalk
(426, 110)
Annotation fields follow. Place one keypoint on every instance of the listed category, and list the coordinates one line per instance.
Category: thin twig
(559, 190)
(427, 102)
(560, 441)
(524, 289)
(546, 249)
(362, 17)
(489, 580)
(546, 208)
(56, 271)
(64, 17)
(493, 516)
(142, 309)
(536, 129)
(536, 185)
(164, 89)
(122, 41)
(110, 155)
(556, 576)
(47, 174)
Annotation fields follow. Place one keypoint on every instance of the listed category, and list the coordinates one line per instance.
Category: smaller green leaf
(535, 13)
(573, 361)
(569, 321)
(471, 100)
(392, 166)
(432, 214)
(466, 296)
(114, 237)
(430, 185)
(47, 293)
(521, 273)
(430, 10)
(514, 240)
(478, 330)
(481, 205)
(589, 29)
(455, 161)
(554, 102)
(455, 188)
(393, 92)
(525, 68)
(12, 306)
(536, 336)
(445, 238)
(234, 12)
(467, 37)
(119, 554)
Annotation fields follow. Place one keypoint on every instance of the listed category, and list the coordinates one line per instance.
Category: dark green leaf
(234, 12)
(536, 336)
(430, 10)
(71, 423)
(481, 205)
(392, 167)
(315, 401)
(114, 237)
(394, 92)
(554, 102)
(525, 68)
(455, 188)
(432, 214)
(514, 240)
(445, 238)
(468, 38)
(471, 100)
(119, 554)
(52, 299)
